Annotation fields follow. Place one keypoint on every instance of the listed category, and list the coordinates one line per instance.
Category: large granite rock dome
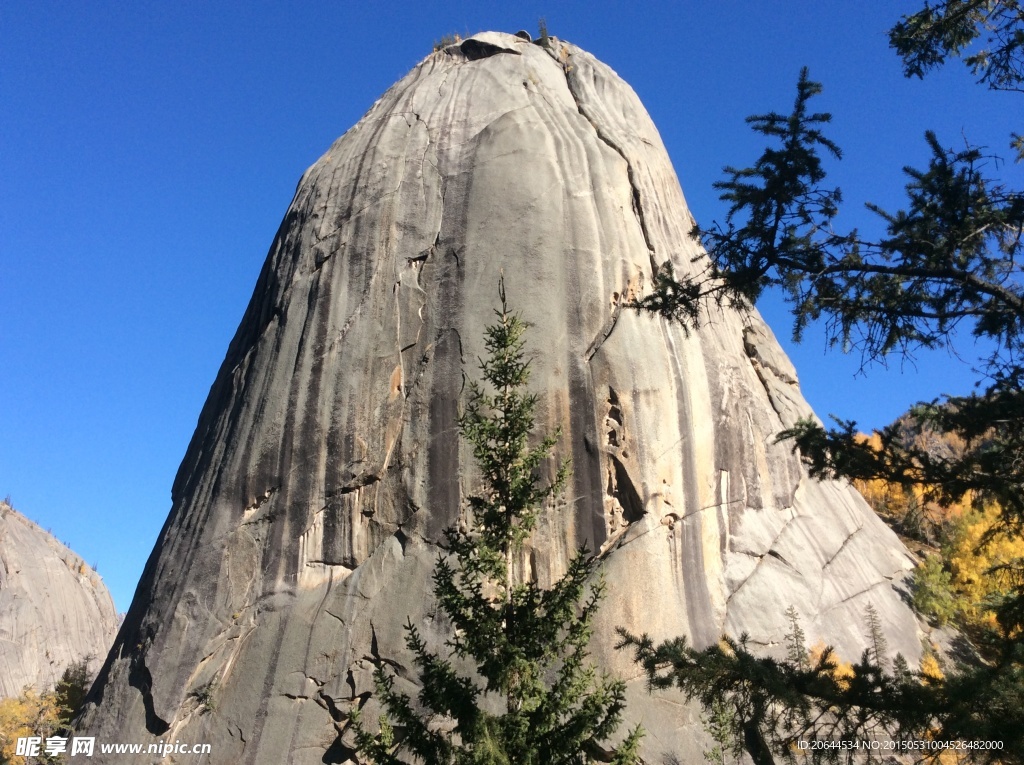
(307, 511)
(54, 608)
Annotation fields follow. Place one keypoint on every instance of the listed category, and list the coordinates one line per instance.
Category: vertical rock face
(326, 462)
(54, 609)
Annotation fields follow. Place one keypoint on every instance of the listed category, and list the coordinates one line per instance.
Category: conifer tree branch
(950, 259)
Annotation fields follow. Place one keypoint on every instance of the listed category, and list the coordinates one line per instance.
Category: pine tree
(878, 649)
(796, 640)
(71, 689)
(765, 707)
(953, 259)
(534, 699)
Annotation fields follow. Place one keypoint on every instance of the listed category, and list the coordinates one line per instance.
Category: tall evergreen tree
(952, 260)
(534, 698)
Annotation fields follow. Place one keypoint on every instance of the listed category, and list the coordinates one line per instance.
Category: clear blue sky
(148, 152)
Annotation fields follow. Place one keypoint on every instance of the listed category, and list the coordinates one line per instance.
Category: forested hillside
(966, 554)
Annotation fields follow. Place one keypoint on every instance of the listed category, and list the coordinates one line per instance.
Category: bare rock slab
(54, 608)
(308, 509)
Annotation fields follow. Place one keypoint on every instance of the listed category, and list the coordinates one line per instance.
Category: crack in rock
(360, 481)
(848, 598)
(846, 541)
(757, 566)
(638, 209)
(755, 364)
(603, 333)
(624, 503)
(753, 352)
(778, 555)
(670, 519)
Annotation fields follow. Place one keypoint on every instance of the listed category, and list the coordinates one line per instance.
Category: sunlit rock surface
(54, 608)
(326, 462)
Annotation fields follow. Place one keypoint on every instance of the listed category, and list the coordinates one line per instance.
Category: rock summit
(309, 506)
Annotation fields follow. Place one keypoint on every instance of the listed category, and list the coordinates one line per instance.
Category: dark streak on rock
(638, 208)
(604, 333)
(588, 483)
(699, 610)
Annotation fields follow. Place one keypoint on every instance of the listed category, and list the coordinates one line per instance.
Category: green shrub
(932, 589)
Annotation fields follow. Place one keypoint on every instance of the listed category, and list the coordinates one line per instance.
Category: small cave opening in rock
(474, 50)
(627, 495)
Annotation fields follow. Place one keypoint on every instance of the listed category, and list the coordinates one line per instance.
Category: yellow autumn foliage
(28, 714)
(972, 555)
(973, 585)
(908, 506)
(843, 671)
(930, 667)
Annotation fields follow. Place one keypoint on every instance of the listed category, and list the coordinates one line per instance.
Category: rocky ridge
(54, 608)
